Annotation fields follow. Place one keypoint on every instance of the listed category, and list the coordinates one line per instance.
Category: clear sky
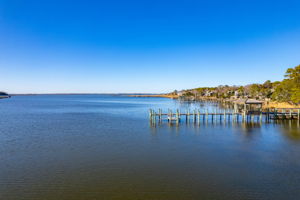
(111, 46)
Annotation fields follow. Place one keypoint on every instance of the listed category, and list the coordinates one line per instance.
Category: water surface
(103, 147)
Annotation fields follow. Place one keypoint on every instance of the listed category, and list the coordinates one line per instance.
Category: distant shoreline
(267, 104)
(120, 94)
(171, 96)
(113, 94)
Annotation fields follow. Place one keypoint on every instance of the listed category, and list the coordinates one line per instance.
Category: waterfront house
(180, 93)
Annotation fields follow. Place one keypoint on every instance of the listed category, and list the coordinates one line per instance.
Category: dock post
(159, 114)
(194, 115)
(177, 116)
(188, 115)
(260, 116)
(198, 115)
(150, 114)
(206, 115)
(215, 115)
(243, 116)
(233, 116)
(171, 116)
(298, 114)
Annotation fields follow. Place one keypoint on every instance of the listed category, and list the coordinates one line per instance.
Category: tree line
(287, 90)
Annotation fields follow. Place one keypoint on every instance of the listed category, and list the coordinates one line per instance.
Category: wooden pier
(245, 116)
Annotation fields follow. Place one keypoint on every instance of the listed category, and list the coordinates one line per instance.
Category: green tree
(295, 97)
(289, 89)
(255, 90)
(282, 92)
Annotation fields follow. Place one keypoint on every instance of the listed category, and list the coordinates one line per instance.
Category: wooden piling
(215, 115)
(150, 114)
(233, 116)
(177, 116)
(260, 116)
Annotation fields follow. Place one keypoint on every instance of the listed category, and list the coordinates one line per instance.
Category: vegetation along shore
(278, 94)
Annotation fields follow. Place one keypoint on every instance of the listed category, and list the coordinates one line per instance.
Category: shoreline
(266, 104)
(171, 96)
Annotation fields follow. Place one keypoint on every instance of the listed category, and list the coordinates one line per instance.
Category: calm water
(103, 147)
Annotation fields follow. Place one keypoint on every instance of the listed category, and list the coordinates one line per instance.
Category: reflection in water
(250, 127)
(246, 126)
(290, 129)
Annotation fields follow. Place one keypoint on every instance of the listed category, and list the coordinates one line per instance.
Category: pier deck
(197, 115)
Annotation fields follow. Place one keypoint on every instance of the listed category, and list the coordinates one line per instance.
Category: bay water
(77, 147)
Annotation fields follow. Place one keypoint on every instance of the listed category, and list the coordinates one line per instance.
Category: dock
(245, 116)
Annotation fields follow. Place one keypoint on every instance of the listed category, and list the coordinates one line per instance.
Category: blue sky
(144, 46)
